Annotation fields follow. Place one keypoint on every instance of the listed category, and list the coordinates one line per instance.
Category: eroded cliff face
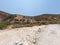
(36, 35)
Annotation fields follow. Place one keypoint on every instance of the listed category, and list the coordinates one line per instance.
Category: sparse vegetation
(27, 21)
(4, 24)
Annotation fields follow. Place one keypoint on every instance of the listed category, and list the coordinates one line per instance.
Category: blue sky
(30, 7)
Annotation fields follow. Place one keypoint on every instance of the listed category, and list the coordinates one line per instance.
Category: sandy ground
(36, 35)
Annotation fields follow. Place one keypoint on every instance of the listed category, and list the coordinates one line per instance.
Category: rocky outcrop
(14, 18)
(29, 20)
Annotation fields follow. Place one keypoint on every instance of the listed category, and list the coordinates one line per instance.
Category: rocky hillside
(21, 21)
(13, 17)
(20, 18)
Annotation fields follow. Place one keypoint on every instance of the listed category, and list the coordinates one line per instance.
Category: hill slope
(18, 20)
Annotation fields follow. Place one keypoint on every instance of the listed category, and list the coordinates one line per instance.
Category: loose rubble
(36, 35)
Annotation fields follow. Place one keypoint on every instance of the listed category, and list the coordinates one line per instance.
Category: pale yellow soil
(36, 35)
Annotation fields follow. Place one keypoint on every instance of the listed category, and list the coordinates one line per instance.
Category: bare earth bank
(36, 35)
